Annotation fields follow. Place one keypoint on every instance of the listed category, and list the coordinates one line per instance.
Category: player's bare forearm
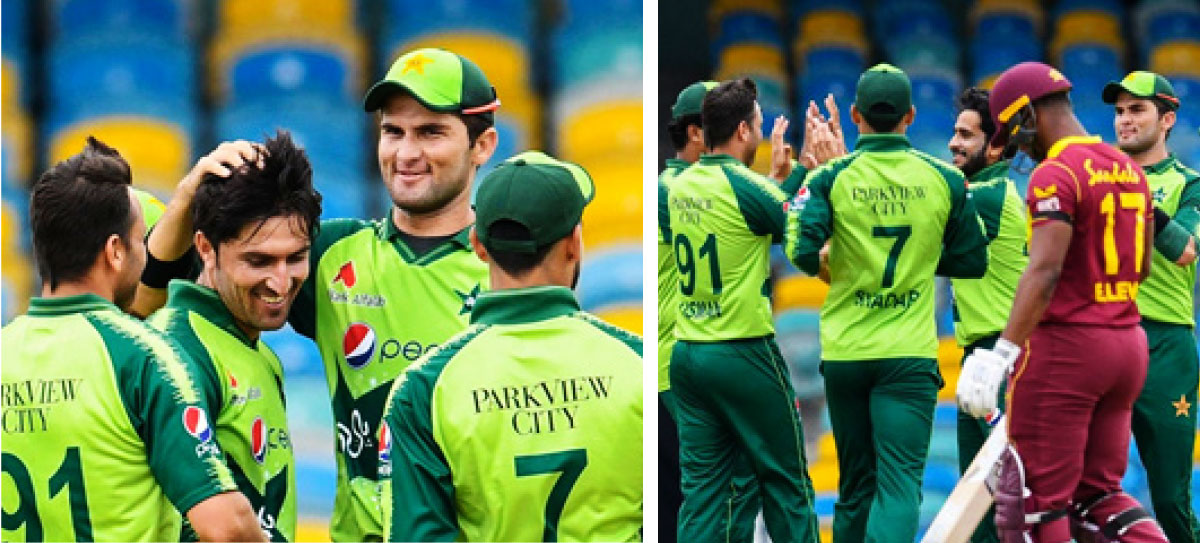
(1036, 287)
(225, 517)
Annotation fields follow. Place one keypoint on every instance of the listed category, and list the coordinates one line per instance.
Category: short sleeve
(1053, 193)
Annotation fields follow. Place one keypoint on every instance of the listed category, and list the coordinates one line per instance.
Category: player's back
(539, 421)
(73, 439)
(1105, 197)
(723, 217)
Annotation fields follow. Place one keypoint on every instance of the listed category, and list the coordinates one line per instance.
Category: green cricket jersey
(374, 307)
(981, 306)
(724, 218)
(106, 434)
(667, 278)
(242, 380)
(1166, 295)
(525, 427)
(888, 211)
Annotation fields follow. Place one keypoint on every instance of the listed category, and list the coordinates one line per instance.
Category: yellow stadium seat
(259, 14)
(10, 87)
(310, 529)
(602, 131)
(820, 22)
(628, 318)
(949, 363)
(10, 228)
(159, 153)
(820, 31)
(799, 291)
(720, 8)
(17, 133)
(1176, 58)
(752, 58)
(615, 216)
(231, 44)
(1086, 26)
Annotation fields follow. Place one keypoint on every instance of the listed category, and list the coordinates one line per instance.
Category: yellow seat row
(159, 153)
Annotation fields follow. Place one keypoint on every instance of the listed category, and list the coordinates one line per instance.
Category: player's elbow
(225, 517)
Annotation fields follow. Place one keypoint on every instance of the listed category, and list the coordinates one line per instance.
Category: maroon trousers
(1070, 400)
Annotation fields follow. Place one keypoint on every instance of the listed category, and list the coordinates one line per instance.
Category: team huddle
(1074, 308)
(472, 398)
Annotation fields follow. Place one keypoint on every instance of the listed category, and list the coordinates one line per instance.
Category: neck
(1067, 126)
(447, 220)
(689, 154)
(1151, 156)
(87, 285)
(730, 148)
(205, 280)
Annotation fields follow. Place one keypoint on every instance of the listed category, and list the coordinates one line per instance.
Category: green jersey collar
(677, 164)
(522, 305)
(720, 158)
(391, 233)
(65, 305)
(1160, 166)
(188, 296)
(882, 142)
(998, 169)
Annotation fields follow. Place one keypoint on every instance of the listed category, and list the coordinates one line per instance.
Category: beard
(435, 197)
(975, 163)
(1139, 145)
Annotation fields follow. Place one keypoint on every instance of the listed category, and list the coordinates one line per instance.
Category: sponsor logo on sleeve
(195, 421)
(1048, 205)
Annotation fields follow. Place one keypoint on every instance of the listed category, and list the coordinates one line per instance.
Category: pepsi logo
(195, 421)
(358, 345)
(258, 439)
(385, 443)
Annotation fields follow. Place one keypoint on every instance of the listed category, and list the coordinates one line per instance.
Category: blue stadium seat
(582, 55)
(611, 276)
(1172, 25)
(799, 341)
(291, 69)
(945, 416)
(803, 7)
(925, 51)
(747, 27)
(76, 18)
(1007, 24)
(322, 128)
(826, 60)
(933, 88)
(105, 69)
(1097, 119)
(1083, 60)
(343, 190)
(939, 477)
(610, 15)
(900, 18)
(512, 19)
(991, 55)
(15, 34)
(1112, 7)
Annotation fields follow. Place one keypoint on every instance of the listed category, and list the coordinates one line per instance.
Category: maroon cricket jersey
(1103, 194)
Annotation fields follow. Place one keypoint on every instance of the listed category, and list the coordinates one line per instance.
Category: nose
(406, 150)
(279, 280)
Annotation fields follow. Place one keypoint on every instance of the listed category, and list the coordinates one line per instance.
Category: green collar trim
(65, 305)
(523, 305)
(720, 158)
(188, 296)
(1160, 166)
(998, 169)
(882, 142)
(677, 163)
(389, 233)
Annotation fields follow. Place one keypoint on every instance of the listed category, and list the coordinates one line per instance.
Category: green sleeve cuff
(1172, 241)
(795, 180)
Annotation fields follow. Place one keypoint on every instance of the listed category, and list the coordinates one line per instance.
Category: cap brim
(1112, 90)
(379, 93)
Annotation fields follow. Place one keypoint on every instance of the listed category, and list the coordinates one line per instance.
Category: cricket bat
(972, 496)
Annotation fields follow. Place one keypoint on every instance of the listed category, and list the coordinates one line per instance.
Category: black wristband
(1161, 220)
(159, 272)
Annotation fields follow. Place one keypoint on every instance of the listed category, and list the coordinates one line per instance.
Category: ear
(206, 250)
(480, 250)
(695, 134)
(575, 244)
(908, 117)
(485, 146)
(114, 255)
(743, 131)
(1168, 120)
(855, 116)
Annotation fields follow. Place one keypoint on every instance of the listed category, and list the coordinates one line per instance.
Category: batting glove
(982, 374)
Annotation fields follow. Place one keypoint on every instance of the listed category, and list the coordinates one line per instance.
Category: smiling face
(258, 274)
(1139, 126)
(424, 157)
(969, 143)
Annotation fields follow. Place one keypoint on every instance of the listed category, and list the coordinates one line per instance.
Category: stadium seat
(581, 59)
(797, 333)
(293, 59)
(613, 15)
(159, 152)
(831, 28)
(602, 130)
(1171, 26)
(1086, 27)
(1113, 8)
(1029, 9)
(615, 216)
(510, 19)
(236, 16)
(1097, 60)
(747, 58)
(1007, 24)
(832, 60)
(77, 18)
(991, 55)
(925, 51)
(627, 317)
(1176, 58)
(718, 9)
(18, 146)
(799, 291)
(748, 27)
(84, 71)
(611, 277)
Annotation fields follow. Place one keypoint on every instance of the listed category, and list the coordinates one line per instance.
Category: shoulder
(951, 175)
(426, 370)
(1189, 175)
(824, 174)
(627, 338)
(742, 178)
(332, 231)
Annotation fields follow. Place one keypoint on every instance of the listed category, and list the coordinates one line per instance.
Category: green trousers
(882, 417)
(736, 406)
(1164, 425)
(972, 432)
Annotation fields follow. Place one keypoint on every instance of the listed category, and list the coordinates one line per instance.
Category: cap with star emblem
(1141, 84)
(544, 195)
(440, 80)
(1018, 87)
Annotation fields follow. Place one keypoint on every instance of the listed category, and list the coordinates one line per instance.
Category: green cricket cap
(440, 80)
(537, 191)
(1142, 84)
(883, 93)
(691, 98)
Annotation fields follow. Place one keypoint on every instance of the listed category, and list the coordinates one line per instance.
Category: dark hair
(476, 125)
(725, 107)
(882, 125)
(976, 99)
(75, 207)
(514, 263)
(677, 130)
(281, 187)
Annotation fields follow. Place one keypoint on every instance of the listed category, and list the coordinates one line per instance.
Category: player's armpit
(225, 517)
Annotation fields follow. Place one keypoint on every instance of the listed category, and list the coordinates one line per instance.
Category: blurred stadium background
(799, 50)
(164, 81)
